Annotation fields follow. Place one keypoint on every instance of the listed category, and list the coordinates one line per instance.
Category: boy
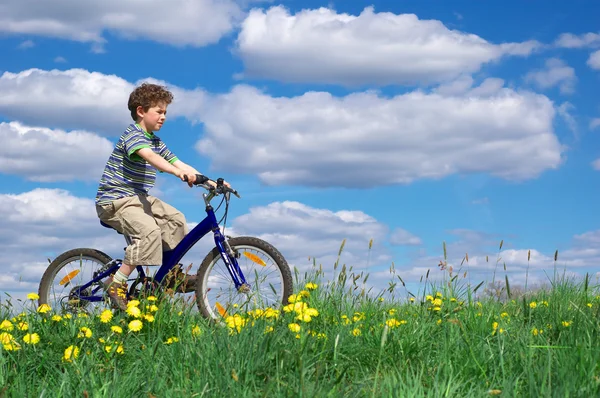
(122, 200)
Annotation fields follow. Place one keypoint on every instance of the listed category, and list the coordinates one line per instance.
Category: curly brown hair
(147, 95)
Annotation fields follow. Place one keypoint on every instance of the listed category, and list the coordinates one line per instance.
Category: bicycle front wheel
(267, 274)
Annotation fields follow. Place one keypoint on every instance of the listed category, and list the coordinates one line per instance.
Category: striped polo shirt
(126, 173)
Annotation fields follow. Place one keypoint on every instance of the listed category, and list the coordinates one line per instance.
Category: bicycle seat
(108, 226)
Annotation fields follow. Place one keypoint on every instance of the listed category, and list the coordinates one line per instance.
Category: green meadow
(449, 339)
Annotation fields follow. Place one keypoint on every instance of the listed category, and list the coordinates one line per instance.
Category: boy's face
(154, 118)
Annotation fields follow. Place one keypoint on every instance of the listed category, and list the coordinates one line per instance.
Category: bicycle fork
(230, 259)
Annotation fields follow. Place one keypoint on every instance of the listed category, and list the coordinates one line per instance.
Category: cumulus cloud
(323, 46)
(194, 23)
(570, 40)
(79, 99)
(45, 155)
(364, 139)
(555, 73)
(52, 221)
(401, 237)
(594, 60)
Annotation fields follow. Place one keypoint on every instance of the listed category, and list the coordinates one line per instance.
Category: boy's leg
(173, 229)
(133, 217)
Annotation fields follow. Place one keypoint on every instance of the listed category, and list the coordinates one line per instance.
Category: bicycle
(244, 294)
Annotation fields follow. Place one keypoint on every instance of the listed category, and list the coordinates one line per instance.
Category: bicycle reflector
(68, 278)
(254, 258)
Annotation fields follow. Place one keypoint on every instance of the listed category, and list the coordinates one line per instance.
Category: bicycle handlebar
(218, 190)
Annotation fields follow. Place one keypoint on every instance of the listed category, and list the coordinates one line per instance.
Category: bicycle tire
(248, 241)
(61, 260)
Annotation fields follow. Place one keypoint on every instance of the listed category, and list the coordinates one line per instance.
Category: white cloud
(365, 140)
(180, 22)
(595, 123)
(41, 154)
(49, 222)
(564, 111)
(596, 164)
(594, 60)
(26, 44)
(360, 137)
(323, 46)
(555, 73)
(60, 60)
(402, 237)
(78, 99)
(570, 40)
(52, 221)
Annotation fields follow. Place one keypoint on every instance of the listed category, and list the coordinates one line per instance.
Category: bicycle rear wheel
(268, 277)
(66, 274)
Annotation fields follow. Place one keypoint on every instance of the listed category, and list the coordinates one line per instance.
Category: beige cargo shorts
(151, 224)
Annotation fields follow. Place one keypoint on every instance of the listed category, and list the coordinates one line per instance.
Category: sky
(408, 124)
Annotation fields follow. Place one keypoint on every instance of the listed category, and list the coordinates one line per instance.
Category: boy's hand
(191, 178)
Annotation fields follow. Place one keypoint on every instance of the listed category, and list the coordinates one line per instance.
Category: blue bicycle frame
(173, 257)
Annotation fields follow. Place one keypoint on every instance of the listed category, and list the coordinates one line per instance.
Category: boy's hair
(147, 95)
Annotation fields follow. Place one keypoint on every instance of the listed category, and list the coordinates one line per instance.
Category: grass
(333, 340)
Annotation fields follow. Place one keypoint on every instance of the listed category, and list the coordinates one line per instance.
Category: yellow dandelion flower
(12, 346)
(294, 327)
(120, 349)
(412, 299)
(42, 309)
(108, 348)
(304, 317)
(589, 305)
(533, 304)
(149, 317)
(85, 332)
(436, 308)
(31, 338)
(135, 325)
(566, 323)
(153, 308)
(6, 325)
(56, 318)
(116, 329)
(504, 315)
(429, 297)
(196, 331)
(133, 303)
(33, 296)
(311, 311)
(311, 286)
(269, 329)
(71, 353)
(151, 298)
(452, 300)
(304, 293)
(106, 316)
(68, 316)
(101, 340)
(544, 303)
(356, 332)
(437, 302)
(292, 298)
(438, 322)
(380, 299)
(5, 338)
(82, 315)
(172, 340)
(22, 326)
(438, 294)
(134, 311)
(392, 323)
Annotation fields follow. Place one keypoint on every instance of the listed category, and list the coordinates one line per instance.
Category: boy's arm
(185, 167)
(160, 163)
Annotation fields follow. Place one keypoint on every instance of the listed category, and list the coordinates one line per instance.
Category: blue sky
(406, 122)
